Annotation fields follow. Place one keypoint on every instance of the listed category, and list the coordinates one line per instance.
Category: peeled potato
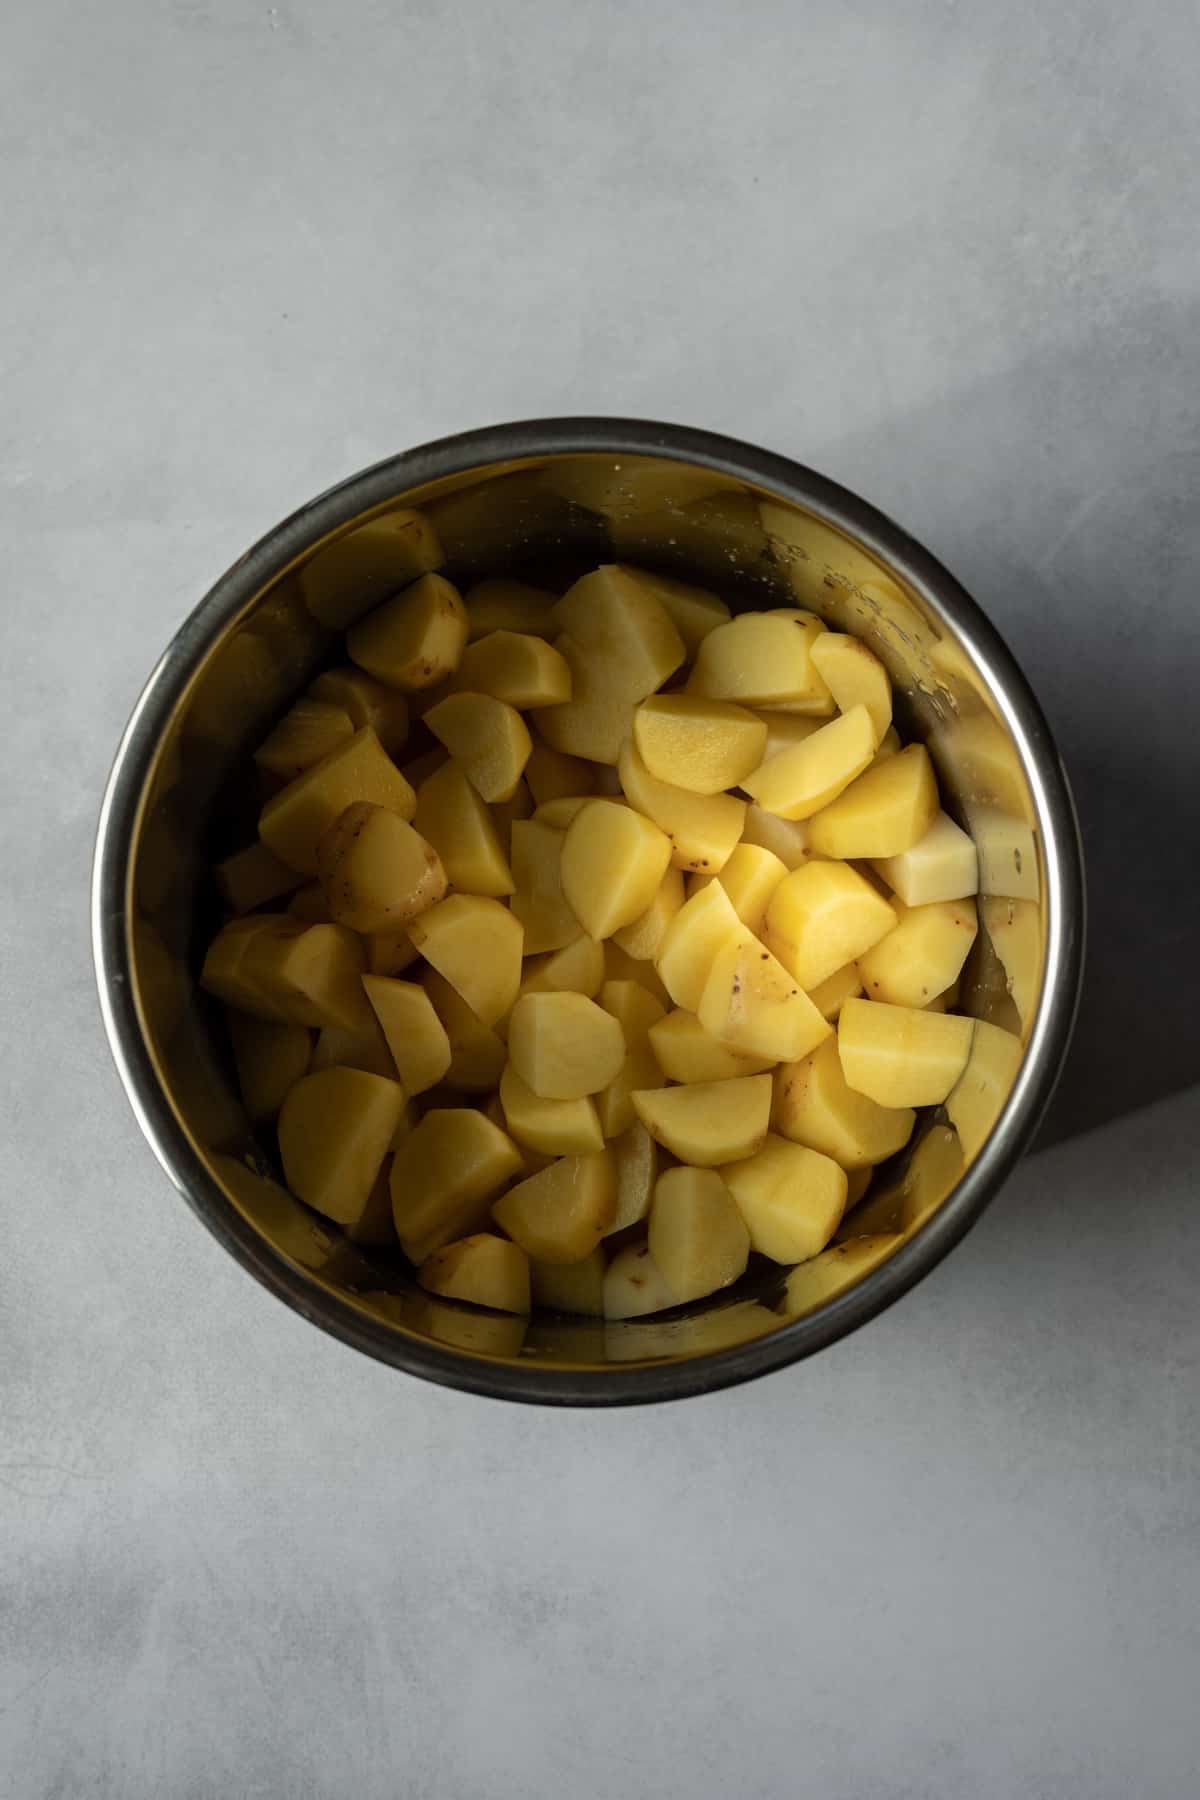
(309, 730)
(312, 976)
(635, 1010)
(337, 1048)
(620, 966)
(553, 1127)
(785, 838)
(751, 1004)
(889, 745)
(564, 1046)
(750, 877)
(941, 865)
(345, 578)
(693, 611)
(476, 944)
(377, 873)
(920, 959)
(228, 972)
(643, 938)
(839, 1267)
(802, 781)
(822, 916)
(560, 1214)
(570, 1287)
(830, 995)
(577, 968)
(1015, 928)
(538, 899)
(335, 1129)
(696, 1235)
(503, 605)
(699, 929)
(978, 1097)
(884, 813)
(763, 659)
(366, 702)
(487, 737)
(253, 876)
(484, 1269)
(635, 1167)
(854, 676)
(703, 828)
(455, 820)
(512, 666)
(375, 1226)
(685, 1052)
(294, 820)
(785, 730)
(790, 1198)
(554, 776)
(414, 640)
(700, 744)
(445, 1175)
(270, 1058)
(634, 1285)
(390, 952)
(708, 1123)
(615, 613)
(813, 1105)
(477, 1053)
(561, 813)
(415, 1035)
(598, 717)
(613, 861)
(898, 1056)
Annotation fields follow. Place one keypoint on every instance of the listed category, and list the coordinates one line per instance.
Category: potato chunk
(635, 1010)
(699, 929)
(696, 1236)
(854, 676)
(763, 659)
(504, 605)
(708, 1123)
(415, 1035)
(839, 1267)
(634, 1285)
(813, 1105)
(309, 730)
(620, 966)
(270, 1058)
(552, 1127)
(337, 1048)
(802, 781)
(596, 720)
(635, 1167)
(477, 1053)
(786, 730)
(345, 578)
(830, 995)
(564, 1046)
(253, 876)
(366, 701)
(455, 820)
(703, 828)
(699, 744)
(791, 1199)
(228, 971)
(335, 1128)
(1015, 928)
(785, 838)
(487, 737)
(615, 613)
(560, 1214)
(309, 976)
(685, 1052)
(898, 1056)
(525, 671)
(484, 1269)
(570, 1287)
(613, 862)
(923, 956)
(538, 899)
(942, 865)
(751, 1004)
(750, 877)
(884, 813)
(294, 820)
(977, 1098)
(376, 872)
(824, 915)
(476, 944)
(643, 939)
(414, 640)
(577, 968)
(445, 1175)
(693, 611)
(554, 776)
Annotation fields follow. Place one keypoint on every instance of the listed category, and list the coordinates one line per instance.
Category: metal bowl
(547, 500)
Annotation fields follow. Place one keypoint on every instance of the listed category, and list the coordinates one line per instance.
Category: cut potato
(889, 745)
(538, 899)
(751, 1004)
(390, 952)
(613, 861)
(445, 1175)
(920, 959)
(785, 838)
(857, 1183)
(802, 781)
(465, 1328)
(578, 968)
(750, 877)
(487, 737)
(309, 730)
(335, 1128)
(483, 1269)
(634, 1286)
(505, 813)
(552, 775)
(228, 972)
(942, 865)
(839, 1267)
(823, 916)
(598, 717)
(710, 1122)
(477, 945)
(553, 1127)
(570, 1287)
(699, 744)
(564, 1046)
(814, 1106)
(703, 828)
(503, 605)
(884, 813)
(1007, 850)
(377, 873)
(763, 659)
(270, 1059)
(414, 640)
(294, 820)
(614, 613)
(693, 611)
(701, 927)
(785, 731)
(366, 701)
(697, 1238)
(415, 1035)
(635, 1167)
(562, 813)
(375, 1227)
(367, 1049)
(978, 1097)
(790, 1198)
(309, 976)
(252, 877)
(635, 1010)
(512, 666)
(854, 676)
(345, 578)
(477, 1053)
(685, 1052)
(451, 815)
(620, 966)
(309, 904)
(560, 1214)
(1015, 928)
(899, 1056)
(642, 940)
(830, 995)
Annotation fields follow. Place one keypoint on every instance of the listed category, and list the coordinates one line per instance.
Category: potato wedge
(616, 614)
(445, 1175)
(822, 916)
(477, 1053)
(487, 737)
(561, 814)
(451, 815)
(477, 945)
(367, 1048)
(376, 872)
(814, 1106)
(620, 966)
(308, 731)
(854, 676)
(366, 701)
(375, 1227)
(830, 995)
(635, 1010)
(785, 838)
(596, 720)
(310, 976)
(613, 862)
(270, 1059)
(538, 899)
(390, 952)
(942, 865)
(416, 1037)
(839, 1267)
(635, 1167)
(552, 775)
(642, 940)
(887, 810)
(483, 1269)
(899, 1056)
(294, 820)
(560, 1214)
(335, 1129)
(634, 1286)
(978, 1097)
(552, 1127)
(693, 611)
(791, 1199)
(750, 877)
(570, 1287)
(577, 968)
(806, 779)
(786, 730)
(685, 1052)
(512, 666)
(414, 640)
(229, 970)
(923, 956)
(696, 1236)
(751, 1004)
(252, 877)
(504, 605)
(345, 578)
(699, 929)
(703, 745)
(763, 659)
(564, 1046)
(710, 1122)
(703, 828)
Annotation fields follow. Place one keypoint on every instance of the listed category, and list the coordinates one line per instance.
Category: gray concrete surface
(946, 252)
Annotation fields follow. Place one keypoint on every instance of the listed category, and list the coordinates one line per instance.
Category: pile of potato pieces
(641, 963)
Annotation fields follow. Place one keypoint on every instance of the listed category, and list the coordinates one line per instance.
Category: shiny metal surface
(547, 500)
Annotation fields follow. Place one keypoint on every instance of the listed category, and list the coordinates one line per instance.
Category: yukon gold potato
(751, 1004)
(703, 828)
(487, 737)
(445, 1174)
(700, 744)
(977, 1098)
(790, 1198)
(294, 820)
(476, 944)
(415, 1035)
(685, 1052)
(839, 1267)
(941, 865)
(785, 838)
(899, 1056)
(830, 995)
(693, 611)
(696, 1235)
(785, 731)
(366, 701)
(1014, 926)
(570, 1287)
(562, 812)
(854, 676)
(552, 1127)
(614, 613)
(920, 959)
(564, 1046)
(800, 782)
(824, 915)
(635, 1168)
(484, 1269)
(414, 640)
(309, 730)
(554, 776)
(505, 813)
(643, 939)
(228, 972)
(376, 871)
(560, 1214)
(708, 1123)
(512, 666)
(503, 605)
(577, 968)
(635, 1011)
(310, 976)
(252, 877)
(538, 899)
(335, 1129)
(620, 966)
(596, 720)
(344, 579)
(613, 861)
(455, 820)
(750, 877)
(884, 813)
(477, 1053)
(367, 1048)
(270, 1059)
(813, 1105)
(763, 659)
(634, 1286)
(699, 929)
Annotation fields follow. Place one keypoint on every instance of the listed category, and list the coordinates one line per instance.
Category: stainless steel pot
(549, 499)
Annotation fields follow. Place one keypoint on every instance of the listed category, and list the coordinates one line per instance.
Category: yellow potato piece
(814, 1106)
(414, 640)
(1015, 929)
(699, 929)
(505, 813)
(642, 940)
(366, 701)
(786, 730)
(335, 1129)
(803, 780)
(685, 1052)
(635, 1167)
(525, 671)
(562, 813)
(696, 1235)
(615, 613)
(750, 877)
(699, 744)
(976, 1101)
(374, 1225)
(596, 720)
(703, 828)
(476, 944)
(376, 872)
(1008, 863)
(294, 820)
(785, 838)
(344, 579)
(228, 970)
(455, 820)
(477, 1053)
(483, 1269)
(577, 968)
(790, 1198)
(923, 956)
(710, 1122)
(620, 966)
(564, 1046)
(309, 976)
(693, 611)
(857, 1183)
(751, 1004)
(824, 915)
(634, 1286)
(830, 995)
(898, 1056)
(554, 776)
(635, 1010)
(252, 877)
(503, 605)
(309, 730)
(415, 1035)
(889, 745)
(613, 861)
(445, 1174)
(487, 737)
(390, 952)
(481, 1333)
(552, 1127)
(538, 899)
(560, 1214)
(854, 676)
(270, 1059)
(839, 1267)
(570, 1287)
(941, 865)
(763, 659)
(884, 813)
(337, 1048)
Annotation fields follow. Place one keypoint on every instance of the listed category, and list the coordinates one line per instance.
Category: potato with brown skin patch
(484, 1269)
(376, 872)
(414, 640)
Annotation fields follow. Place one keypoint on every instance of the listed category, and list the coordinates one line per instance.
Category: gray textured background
(949, 253)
